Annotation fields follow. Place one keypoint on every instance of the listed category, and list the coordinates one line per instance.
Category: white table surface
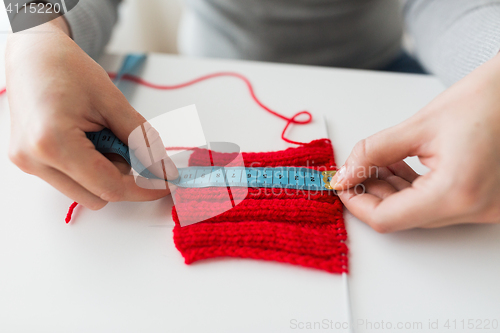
(117, 270)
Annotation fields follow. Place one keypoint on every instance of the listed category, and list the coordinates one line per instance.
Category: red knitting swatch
(299, 227)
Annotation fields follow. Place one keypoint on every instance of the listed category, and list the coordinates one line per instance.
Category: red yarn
(292, 120)
(268, 208)
(297, 227)
(70, 211)
(69, 215)
(301, 228)
(313, 154)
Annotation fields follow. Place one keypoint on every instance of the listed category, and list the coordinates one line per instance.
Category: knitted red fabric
(297, 227)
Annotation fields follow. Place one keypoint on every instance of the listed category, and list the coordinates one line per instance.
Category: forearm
(453, 37)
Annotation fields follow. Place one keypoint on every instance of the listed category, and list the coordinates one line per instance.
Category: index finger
(382, 149)
(412, 207)
(88, 167)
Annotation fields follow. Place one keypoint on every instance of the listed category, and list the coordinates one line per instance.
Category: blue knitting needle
(129, 65)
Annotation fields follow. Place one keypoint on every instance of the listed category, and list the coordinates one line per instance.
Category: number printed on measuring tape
(280, 177)
(198, 177)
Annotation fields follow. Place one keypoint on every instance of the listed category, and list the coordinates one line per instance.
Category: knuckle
(20, 159)
(490, 215)
(117, 102)
(360, 149)
(44, 145)
(96, 205)
(379, 225)
(494, 215)
(364, 153)
(381, 228)
(464, 198)
(113, 195)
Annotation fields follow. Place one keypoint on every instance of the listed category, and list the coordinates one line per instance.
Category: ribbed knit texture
(296, 227)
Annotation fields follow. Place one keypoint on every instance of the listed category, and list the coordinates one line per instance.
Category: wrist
(38, 39)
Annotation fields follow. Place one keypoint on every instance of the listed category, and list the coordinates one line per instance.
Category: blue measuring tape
(279, 177)
(198, 177)
(218, 176)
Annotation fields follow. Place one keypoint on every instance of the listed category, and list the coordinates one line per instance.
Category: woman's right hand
(56, 94)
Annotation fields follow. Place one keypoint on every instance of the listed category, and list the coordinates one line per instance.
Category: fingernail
(338, 178)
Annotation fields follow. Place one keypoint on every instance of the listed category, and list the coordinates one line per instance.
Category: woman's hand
(457, 136)
(56, 94)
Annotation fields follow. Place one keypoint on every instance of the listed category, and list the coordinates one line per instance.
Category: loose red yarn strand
(292, 120)
(70, 212)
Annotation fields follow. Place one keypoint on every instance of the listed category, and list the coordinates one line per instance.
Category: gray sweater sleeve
(91, 23)
(453, 37)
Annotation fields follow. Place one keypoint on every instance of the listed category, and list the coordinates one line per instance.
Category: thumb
(379, 150)
(142, 139)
